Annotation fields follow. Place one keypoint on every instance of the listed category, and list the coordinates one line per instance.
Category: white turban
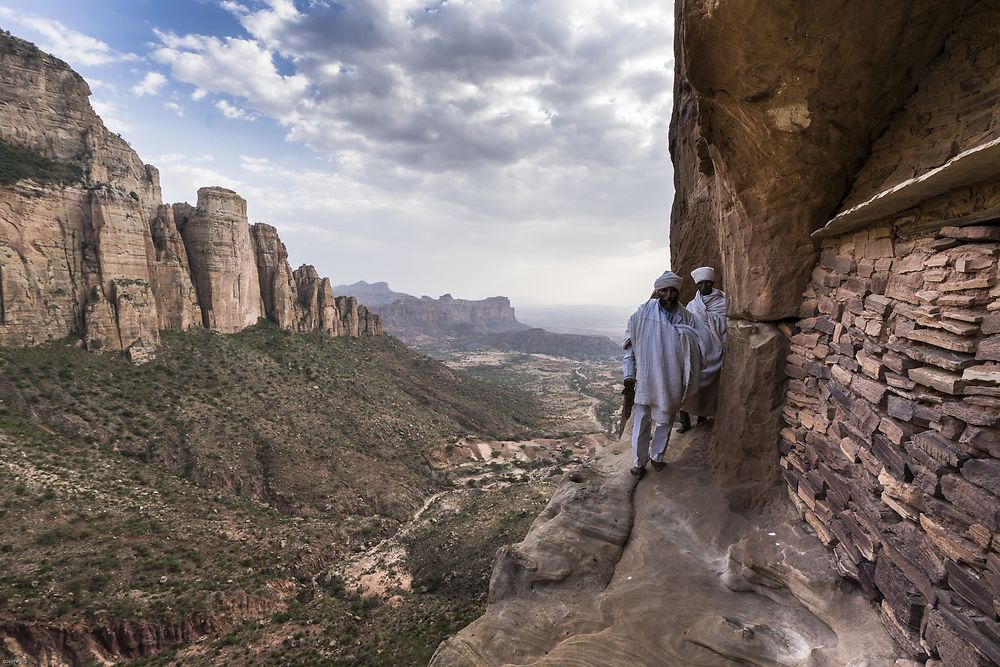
(703, 273)
(668, 279)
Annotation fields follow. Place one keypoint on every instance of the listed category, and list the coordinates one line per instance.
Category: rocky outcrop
(356, 319)
(63, 246)
(176, 299)
(277, 287)
(98, 255)
(223, 260)
(317, 306)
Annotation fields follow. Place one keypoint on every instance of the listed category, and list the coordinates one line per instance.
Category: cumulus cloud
(239, 67)
(539, 127)
(74, 47)
(173, 106)
(445, 86)
(150, 84)
(113, 116)
(233, 112)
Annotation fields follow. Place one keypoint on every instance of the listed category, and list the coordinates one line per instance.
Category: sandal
(637, 472)
(659, 465)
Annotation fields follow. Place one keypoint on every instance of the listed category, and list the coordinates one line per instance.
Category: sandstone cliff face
(223, 260)
(767, 132)
(887, 338)
(277, 287)
(63, 247)
(103, 258)
(176, 299)
(766, 136)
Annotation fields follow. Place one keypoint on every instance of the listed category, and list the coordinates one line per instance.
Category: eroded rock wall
(955, 108)
(176, 299)
(64, 245)
(776, 107)
(277, 287)
(222, 258)
(892, 442)
(99, 255)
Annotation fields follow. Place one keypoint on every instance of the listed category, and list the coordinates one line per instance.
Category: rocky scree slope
(88, 248)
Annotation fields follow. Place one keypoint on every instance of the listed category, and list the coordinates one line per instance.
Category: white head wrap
(703, 273)
(668, 279)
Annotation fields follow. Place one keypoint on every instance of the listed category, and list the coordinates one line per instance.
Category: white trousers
(642, 433)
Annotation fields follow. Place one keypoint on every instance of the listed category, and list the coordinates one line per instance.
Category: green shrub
(18, 162)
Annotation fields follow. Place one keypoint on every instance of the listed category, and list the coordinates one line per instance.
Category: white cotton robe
(710, 321)
(665, 355)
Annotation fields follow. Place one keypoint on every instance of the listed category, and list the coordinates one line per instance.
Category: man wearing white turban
(709, 310)
(662, 364)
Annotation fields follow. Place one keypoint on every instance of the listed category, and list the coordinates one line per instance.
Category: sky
(476, 147)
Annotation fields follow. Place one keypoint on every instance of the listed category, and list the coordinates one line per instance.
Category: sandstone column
(222, 258)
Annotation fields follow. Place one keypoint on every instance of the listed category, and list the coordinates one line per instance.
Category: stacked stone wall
(892, 449)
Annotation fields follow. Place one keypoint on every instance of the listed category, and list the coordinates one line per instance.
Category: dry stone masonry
(100, 256)
(891, 449)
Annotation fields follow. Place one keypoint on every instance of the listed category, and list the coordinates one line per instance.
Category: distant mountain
(446, 323)
(408, 317)
(376, 294)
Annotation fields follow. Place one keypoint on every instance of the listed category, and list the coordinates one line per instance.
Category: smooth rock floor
(694, 583)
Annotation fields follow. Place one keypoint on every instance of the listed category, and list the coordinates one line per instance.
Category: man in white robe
(662, 365)
(709, 310)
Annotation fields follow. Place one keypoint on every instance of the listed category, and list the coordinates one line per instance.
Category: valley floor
(272, 499)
